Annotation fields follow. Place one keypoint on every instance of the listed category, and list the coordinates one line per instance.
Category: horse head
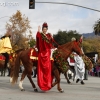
(70, 47)
(77, 47)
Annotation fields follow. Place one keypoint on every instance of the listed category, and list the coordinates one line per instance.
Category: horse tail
(15, 73)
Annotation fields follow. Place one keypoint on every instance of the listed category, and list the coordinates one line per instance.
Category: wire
(70, 4)
(3, 17)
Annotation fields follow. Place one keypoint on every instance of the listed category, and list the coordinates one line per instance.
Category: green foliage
(62, 64)
(32, 42)
(91, 45)
(97, 27)
(88, 62)
(65, 36)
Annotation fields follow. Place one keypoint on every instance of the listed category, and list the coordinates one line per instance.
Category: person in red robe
(44, 45)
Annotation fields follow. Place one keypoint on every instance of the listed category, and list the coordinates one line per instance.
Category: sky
(58, 17)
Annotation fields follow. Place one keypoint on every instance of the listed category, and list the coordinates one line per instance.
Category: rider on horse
(5, 47)
(44, 45)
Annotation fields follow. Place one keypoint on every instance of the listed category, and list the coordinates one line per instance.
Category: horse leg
(1, 71)
(10, 79)
(74, 74)
(4, 71)
(58, 85)
(57, 76)
(11, 73)
(29, 72)
(21, 81)
(66, 76)
(56, 81)
(6, 55)
(31, 81)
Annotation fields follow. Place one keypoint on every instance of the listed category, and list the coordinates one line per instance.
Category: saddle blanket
(2, 57)
(33, 55)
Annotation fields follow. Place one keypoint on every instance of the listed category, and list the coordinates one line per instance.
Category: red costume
(44, 63)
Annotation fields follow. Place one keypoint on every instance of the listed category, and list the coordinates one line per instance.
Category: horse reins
(59, 46)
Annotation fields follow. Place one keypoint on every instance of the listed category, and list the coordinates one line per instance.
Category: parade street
(89, 91)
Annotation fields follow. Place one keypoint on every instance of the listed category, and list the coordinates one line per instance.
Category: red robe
(44, 63)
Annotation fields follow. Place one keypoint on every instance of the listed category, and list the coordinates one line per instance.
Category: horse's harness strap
(59, 46)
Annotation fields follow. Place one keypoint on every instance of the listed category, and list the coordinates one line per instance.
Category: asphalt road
(89, 91)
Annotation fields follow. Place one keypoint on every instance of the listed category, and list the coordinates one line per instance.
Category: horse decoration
(88, 62)
(2, 59)
(61, 63)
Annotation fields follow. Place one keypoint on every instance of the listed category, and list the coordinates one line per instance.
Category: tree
(97, 27)
(65, 36)
(32, 42)
(19, 25)
(91, 45)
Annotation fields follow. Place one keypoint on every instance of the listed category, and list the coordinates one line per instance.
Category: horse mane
(68, 44)
(65, 49)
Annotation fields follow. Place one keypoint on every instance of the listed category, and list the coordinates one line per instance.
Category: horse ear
(76, 40)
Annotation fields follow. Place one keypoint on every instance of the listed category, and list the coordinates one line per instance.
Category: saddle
(2, 59)
(33, 55)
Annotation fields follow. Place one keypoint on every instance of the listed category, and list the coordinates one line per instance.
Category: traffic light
(31, 4)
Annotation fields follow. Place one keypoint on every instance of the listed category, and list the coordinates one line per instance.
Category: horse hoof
(35, 90)
(52, 85)
(22, 89)
(61, 91)
(69, 82)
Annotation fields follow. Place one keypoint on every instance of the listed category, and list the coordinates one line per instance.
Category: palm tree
(97, 27)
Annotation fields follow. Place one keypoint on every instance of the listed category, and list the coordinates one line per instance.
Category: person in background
(79, 66)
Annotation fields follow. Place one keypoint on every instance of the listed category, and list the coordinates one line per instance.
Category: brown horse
(66, 50)
(4, 63)
(10, 63)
